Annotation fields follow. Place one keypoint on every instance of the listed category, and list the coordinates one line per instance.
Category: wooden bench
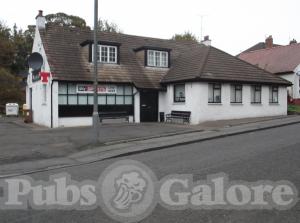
(114, 115)
(184, 115)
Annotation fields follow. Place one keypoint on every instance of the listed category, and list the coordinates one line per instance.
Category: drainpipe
(52, 104)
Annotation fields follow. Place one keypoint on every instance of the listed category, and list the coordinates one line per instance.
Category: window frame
(154, 59)
(124, 94)
(214, 88)
(175, 100)
(253, 93)
(235, 90)
(273, 89)
(108, 51)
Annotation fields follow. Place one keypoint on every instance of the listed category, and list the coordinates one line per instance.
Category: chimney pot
(206, 41)
(293, 41)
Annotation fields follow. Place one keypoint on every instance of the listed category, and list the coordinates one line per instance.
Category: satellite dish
(35, 61)
(298, 73)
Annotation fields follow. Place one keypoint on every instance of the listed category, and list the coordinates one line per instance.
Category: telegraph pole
(95, 110)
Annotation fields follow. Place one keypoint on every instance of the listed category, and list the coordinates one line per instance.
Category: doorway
(149, 106)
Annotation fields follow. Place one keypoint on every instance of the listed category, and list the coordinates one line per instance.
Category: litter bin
(12, 109)
(28, 116)
(162, 117)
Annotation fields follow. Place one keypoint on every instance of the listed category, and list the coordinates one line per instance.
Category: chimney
(269, 42)
(40, 20)
(293, 41)
(206, 41)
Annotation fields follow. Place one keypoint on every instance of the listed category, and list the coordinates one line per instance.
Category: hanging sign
(102, 89)
(44, 77)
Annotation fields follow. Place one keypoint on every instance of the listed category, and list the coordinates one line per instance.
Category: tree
(106, 26)
(7, 51)
(22, 42)
(63, 19)
(186, 36)
(10, 88)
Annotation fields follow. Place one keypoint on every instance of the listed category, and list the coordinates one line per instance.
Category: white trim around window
(157, 58)
(106, 54)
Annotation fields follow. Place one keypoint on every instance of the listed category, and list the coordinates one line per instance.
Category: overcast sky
(233, 25)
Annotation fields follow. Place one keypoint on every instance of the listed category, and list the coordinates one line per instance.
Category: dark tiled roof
(68, 60)
(282, 59)
(216, 65)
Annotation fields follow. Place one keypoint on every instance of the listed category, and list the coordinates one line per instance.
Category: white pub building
(145, 79)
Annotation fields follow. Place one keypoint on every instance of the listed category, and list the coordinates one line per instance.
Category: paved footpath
(58, 148)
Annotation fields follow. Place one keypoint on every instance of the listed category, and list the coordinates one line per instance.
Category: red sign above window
(44, 77)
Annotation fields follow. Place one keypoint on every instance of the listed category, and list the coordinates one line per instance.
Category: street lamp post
(95, 110)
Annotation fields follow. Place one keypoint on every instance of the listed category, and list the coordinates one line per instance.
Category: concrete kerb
(120, 150)
(209, 135)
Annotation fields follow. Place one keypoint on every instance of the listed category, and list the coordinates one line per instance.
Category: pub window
(82, 99)
(214, 93)
(236, 93)
(179, 93)
(102, 100)
(157, 58)
(107, 54)
(90, 99)
(256, 94)
(273, 94)
(68, 95)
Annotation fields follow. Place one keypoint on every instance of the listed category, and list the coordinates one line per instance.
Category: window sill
(236, 103)
(215, 103)
(44, 104)
(179, 103)
(256, 103)
(153, 67)
(105, 63)
(273, 103)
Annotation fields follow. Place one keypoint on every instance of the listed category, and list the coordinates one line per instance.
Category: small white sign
(102, 89)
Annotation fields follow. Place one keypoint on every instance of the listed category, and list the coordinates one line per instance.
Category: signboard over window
(102, 89)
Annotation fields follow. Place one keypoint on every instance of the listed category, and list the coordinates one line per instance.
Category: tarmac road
(272, 154)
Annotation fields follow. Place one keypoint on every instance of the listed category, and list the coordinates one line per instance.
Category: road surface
(272, 154)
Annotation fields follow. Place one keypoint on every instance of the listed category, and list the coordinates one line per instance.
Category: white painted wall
(41, 110)
(197, 103)
(293, 90)
(136, 105)
(75, 121)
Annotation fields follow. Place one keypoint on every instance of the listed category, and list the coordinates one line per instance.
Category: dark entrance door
(149, 106)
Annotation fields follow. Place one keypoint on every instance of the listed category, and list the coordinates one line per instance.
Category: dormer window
(157, 58)
(107, 54)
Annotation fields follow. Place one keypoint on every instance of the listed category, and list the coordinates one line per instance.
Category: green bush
(294, 108)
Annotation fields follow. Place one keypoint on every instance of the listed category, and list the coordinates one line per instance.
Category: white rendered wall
(294, 79)
(41, 109)
(197, 103)
(75, 121)
(136, 105)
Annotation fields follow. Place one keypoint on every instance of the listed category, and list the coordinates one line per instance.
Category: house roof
(68, 60)
(258, 46)
(211, 64)
(281, 59)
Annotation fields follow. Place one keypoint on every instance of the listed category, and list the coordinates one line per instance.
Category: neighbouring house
(283, 61)
(145, 77)
(262, 45)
